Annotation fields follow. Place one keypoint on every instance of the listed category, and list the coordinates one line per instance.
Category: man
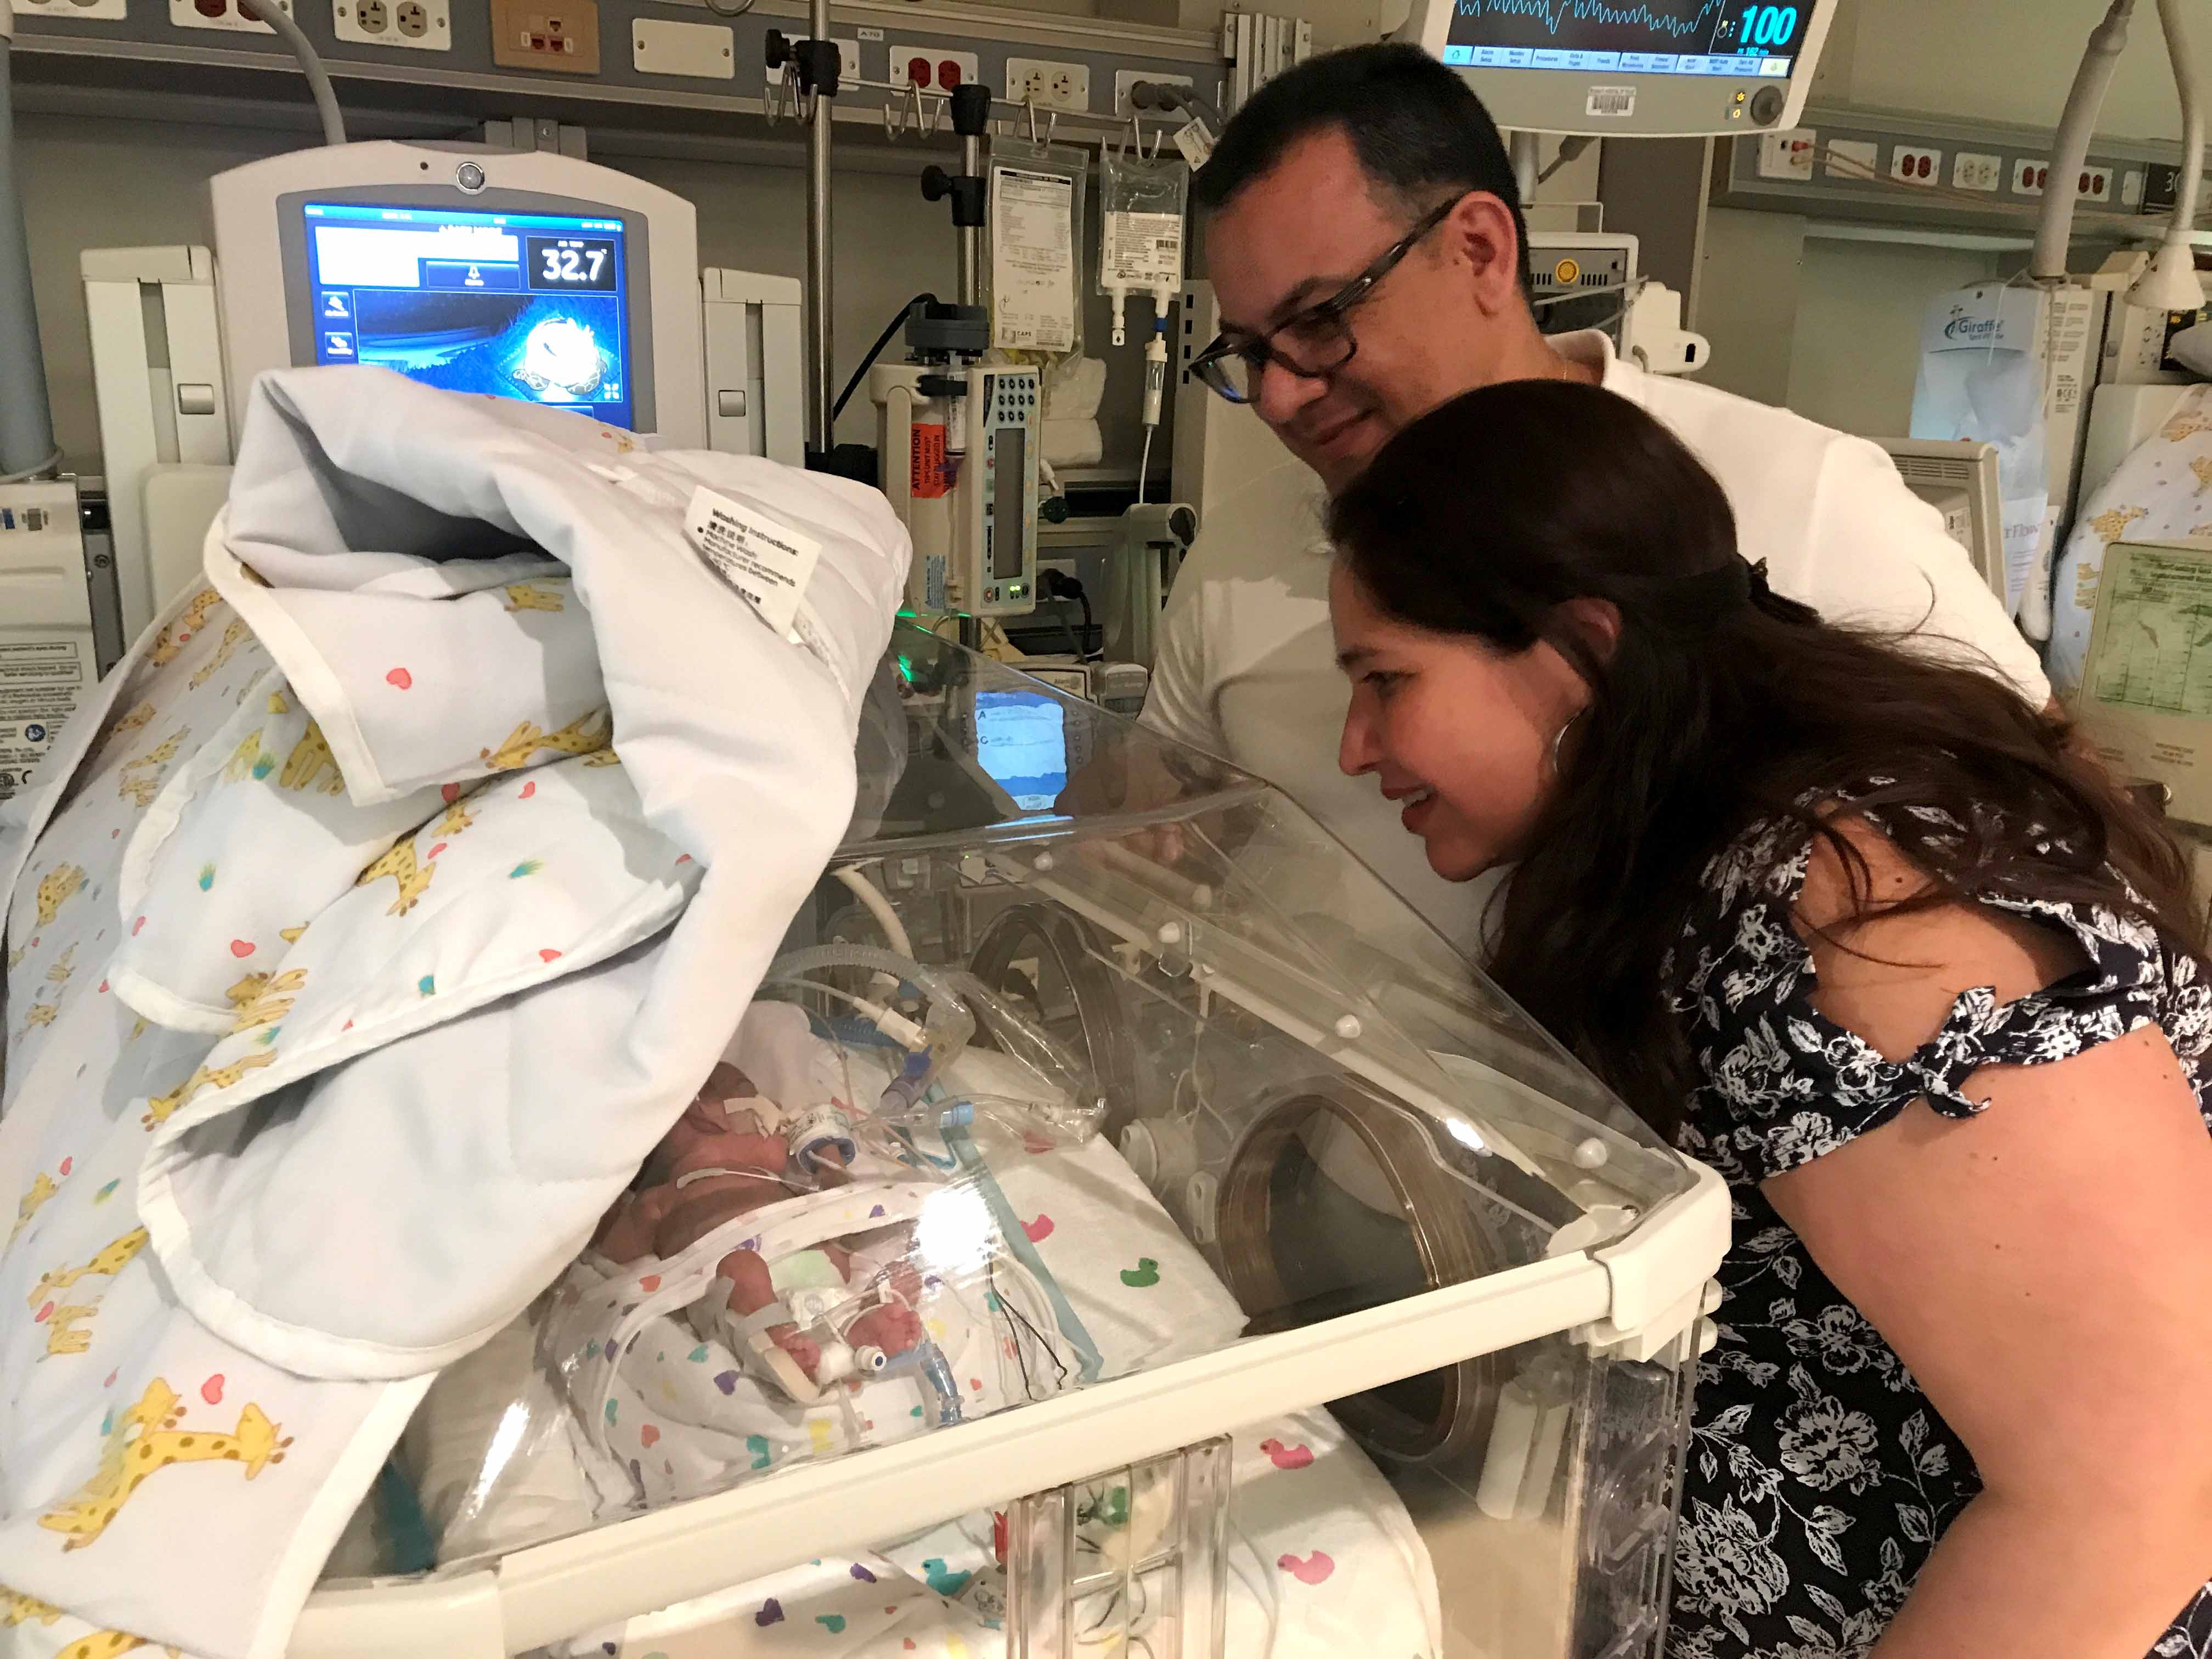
(1365, 240)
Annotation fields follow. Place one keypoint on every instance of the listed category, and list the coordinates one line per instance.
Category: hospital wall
(1813, 316)
(108, 183)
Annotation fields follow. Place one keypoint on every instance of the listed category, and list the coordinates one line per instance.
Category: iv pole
(27, 427)
(820, 420)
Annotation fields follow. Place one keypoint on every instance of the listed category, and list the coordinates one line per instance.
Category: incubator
(1093, 1241)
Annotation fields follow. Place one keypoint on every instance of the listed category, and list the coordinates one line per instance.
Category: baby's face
(717, 1129)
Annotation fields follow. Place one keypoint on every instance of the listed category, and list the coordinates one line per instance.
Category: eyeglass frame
(1336, 309)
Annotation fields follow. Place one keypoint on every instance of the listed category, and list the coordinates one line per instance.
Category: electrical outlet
(1047, 84)
(108, 10)
(1971, 171)
(933, 69)
(1787, 155)
(558, 37)
(1910, 165)
(2028, 178)
(219, 15)
(1125, 79)
(2096, 186)
(417, 25)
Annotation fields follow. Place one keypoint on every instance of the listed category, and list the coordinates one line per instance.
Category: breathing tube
(939, 1040)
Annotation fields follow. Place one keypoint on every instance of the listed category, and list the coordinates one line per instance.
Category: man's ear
(1481, 235)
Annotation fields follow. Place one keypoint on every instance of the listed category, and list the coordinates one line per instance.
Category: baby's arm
(626, 1233)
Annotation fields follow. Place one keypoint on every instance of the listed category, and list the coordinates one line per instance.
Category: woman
(1853, 924)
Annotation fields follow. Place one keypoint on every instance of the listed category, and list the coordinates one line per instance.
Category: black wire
(877, 350)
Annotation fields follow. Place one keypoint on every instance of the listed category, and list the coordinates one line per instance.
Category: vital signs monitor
(1630, 68)
(529, 274)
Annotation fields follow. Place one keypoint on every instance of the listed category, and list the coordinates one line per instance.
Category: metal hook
(1029, 104)
(1051, 127)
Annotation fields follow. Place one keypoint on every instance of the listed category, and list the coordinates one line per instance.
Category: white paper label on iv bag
(1143, 250)
(1032, 260)
(1196, 143)
(767, 562)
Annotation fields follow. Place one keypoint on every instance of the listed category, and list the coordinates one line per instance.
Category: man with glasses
(1365, 236)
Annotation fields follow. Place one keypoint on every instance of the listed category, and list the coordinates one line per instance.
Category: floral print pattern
(1820, 1475)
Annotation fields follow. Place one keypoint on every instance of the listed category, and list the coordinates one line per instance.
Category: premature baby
(740, 1148)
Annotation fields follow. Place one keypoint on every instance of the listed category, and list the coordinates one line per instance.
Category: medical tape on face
(1015, 1239)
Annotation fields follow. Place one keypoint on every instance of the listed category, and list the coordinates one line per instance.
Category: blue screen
(1021, 737)
(516, 305)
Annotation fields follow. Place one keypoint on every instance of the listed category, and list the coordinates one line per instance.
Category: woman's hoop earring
(1559, 766)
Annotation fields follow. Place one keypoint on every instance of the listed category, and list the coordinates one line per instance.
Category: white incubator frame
(1627, 1281)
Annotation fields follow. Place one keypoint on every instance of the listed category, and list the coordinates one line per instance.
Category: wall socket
(1124, 79)
(1788, 155)
(1921, 169)
(933, 69)
(220, 14)
(2028, 178)
(1047, 84)
(1969, 171)
(107, 10)
(416, 25)
(557, 36)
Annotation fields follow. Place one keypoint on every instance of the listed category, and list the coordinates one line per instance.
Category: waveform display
(1556, 15)
(1718, 27)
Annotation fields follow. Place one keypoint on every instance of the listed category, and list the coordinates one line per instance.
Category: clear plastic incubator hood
(1118, 1228)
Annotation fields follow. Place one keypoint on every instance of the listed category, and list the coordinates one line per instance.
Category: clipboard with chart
(2146, 697)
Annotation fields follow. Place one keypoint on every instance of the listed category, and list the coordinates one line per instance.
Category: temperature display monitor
(515, 305)
(1644, 37)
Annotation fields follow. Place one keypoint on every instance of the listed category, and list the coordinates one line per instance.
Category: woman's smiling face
(1461, 732)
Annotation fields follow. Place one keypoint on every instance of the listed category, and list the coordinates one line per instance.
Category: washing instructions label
(1143, 250)
(41, 679)
(768, 562)
(1032, 261)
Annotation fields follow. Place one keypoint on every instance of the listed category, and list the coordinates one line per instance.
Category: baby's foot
(892, 1329)
(804, 1351)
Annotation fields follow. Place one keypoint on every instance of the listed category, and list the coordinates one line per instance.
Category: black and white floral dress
(1820, 1475)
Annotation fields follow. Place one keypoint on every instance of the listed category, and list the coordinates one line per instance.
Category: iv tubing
(2069, 154)
(870, 895)
(27, 425)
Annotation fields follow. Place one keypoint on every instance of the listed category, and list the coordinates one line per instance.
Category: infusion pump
(960, 445)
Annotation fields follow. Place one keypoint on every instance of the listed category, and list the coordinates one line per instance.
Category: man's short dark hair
(1419, 131)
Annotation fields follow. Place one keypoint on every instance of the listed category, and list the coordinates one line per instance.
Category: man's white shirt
(1246, 665)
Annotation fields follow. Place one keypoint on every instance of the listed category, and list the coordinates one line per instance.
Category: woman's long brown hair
(1710, 713)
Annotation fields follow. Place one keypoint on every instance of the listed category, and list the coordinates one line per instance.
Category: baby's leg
(752, 1290)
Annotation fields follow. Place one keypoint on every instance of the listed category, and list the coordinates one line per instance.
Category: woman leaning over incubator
(1851, 924)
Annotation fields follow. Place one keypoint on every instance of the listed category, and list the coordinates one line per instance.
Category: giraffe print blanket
(372, 921)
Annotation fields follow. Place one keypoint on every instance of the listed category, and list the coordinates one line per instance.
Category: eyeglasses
(1315, 341)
